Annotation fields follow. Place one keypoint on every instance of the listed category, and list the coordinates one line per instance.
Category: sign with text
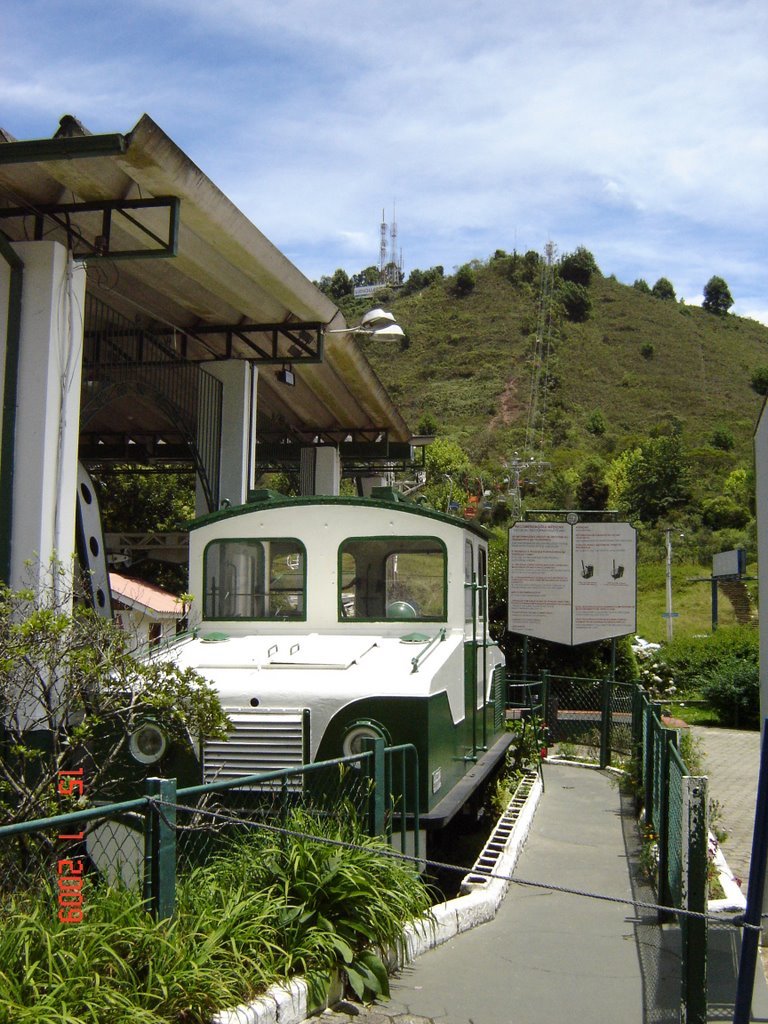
(572, 584)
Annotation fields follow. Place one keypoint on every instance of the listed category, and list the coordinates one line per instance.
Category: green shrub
(268, 908)
(692, 660)
(733, 690)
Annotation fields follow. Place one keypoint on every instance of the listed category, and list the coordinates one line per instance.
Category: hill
(646, 365)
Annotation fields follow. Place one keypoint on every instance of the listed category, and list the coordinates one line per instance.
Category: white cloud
(637, 130)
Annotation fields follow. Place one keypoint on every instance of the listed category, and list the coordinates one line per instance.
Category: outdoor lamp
(377, 323)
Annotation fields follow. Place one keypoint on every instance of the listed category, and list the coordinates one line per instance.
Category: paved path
(551, 956)
(732, 762)
(556, 957)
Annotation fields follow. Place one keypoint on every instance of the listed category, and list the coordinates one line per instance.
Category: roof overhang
(224, 272)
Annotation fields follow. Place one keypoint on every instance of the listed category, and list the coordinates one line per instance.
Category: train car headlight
(353, 739)
(147, 743)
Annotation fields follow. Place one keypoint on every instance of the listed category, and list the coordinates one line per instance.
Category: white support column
(320, 471)
(761, 489)
(238, 430)
(48, 412)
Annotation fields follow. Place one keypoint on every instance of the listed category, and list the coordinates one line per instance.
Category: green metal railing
(676, 808)
(594, 716)
(149, 840)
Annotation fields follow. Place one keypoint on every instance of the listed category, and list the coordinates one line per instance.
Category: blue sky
(636, 128)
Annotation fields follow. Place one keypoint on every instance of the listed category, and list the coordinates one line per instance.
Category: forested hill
(617, 365)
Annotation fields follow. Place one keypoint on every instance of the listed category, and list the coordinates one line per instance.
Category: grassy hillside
(641, 361)
(638, 365)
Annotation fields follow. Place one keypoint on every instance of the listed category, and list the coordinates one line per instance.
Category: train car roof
(385, 498)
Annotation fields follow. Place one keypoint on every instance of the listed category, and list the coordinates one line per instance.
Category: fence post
(694, 929)
(160, 849)
(649, 761)
(605, 723)
(376, 807)
(548, 709)
(668, 738)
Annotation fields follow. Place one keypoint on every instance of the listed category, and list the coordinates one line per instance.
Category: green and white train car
(322, 620)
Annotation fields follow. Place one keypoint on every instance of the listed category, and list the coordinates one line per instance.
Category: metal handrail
(422, 655)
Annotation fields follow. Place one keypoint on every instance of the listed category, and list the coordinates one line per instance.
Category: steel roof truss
(61, 214)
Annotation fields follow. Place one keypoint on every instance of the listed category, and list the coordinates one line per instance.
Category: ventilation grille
(261, 741)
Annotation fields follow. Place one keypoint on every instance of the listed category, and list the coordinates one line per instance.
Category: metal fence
(147, 842)
(676, 810)
(593, 718)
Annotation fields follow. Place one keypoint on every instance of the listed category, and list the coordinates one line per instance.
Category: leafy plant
(265, 909)
(733, 690)
(72, 695)
(690, 660)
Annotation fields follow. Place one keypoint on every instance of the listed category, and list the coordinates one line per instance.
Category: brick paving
(732, 763)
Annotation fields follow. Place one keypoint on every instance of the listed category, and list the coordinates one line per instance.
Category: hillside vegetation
(645, 363)
(644, 404)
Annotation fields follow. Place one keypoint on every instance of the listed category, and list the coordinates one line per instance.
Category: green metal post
(377, 805)
(605, 723)
(694, 929)
(649, 765)
(160, 849)
(545, 708)
(484, 603)
(668, 738)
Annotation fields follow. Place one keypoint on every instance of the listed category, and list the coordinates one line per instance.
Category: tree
(641, 285)
(371, 275)
(759, 380)
(657, 479)
(447, 468)
(576, 301)
(340, 285)
(596, 423)
(723, 439)
(73, 697)
(578, 267)
(593, 490)
(663, 290)
(465, 280)
(717, 297)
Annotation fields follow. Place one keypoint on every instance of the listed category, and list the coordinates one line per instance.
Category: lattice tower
(542, 344)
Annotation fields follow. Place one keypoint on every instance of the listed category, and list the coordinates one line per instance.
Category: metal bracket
(99, 245)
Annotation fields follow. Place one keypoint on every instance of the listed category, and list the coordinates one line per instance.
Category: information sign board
(572, 584)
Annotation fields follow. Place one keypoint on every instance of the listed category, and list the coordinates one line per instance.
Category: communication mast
(383, 250)
(542, 343)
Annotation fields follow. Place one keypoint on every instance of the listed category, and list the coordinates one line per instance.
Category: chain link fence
(146, 843)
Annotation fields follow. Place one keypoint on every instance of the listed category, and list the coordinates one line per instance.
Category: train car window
(469, 567)
(482, 579)
(392, 578)
(254, 579)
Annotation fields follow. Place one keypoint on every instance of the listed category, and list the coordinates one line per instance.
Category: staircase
(737, 593)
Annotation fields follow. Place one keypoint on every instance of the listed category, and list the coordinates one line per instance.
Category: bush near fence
(275, 881)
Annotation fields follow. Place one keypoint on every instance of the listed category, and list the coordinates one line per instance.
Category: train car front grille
(261, 741)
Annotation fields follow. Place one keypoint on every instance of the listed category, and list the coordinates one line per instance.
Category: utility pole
(669, 613)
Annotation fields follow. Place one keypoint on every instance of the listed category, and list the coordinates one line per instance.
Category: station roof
(99, 192)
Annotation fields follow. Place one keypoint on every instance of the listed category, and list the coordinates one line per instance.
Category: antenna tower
(392, 268)
(542, 343)
(383, 250)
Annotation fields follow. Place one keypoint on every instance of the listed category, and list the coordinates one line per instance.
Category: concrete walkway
(551, 956)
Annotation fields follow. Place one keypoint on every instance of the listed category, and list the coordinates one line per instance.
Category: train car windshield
(254, 579)
(392, 578)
